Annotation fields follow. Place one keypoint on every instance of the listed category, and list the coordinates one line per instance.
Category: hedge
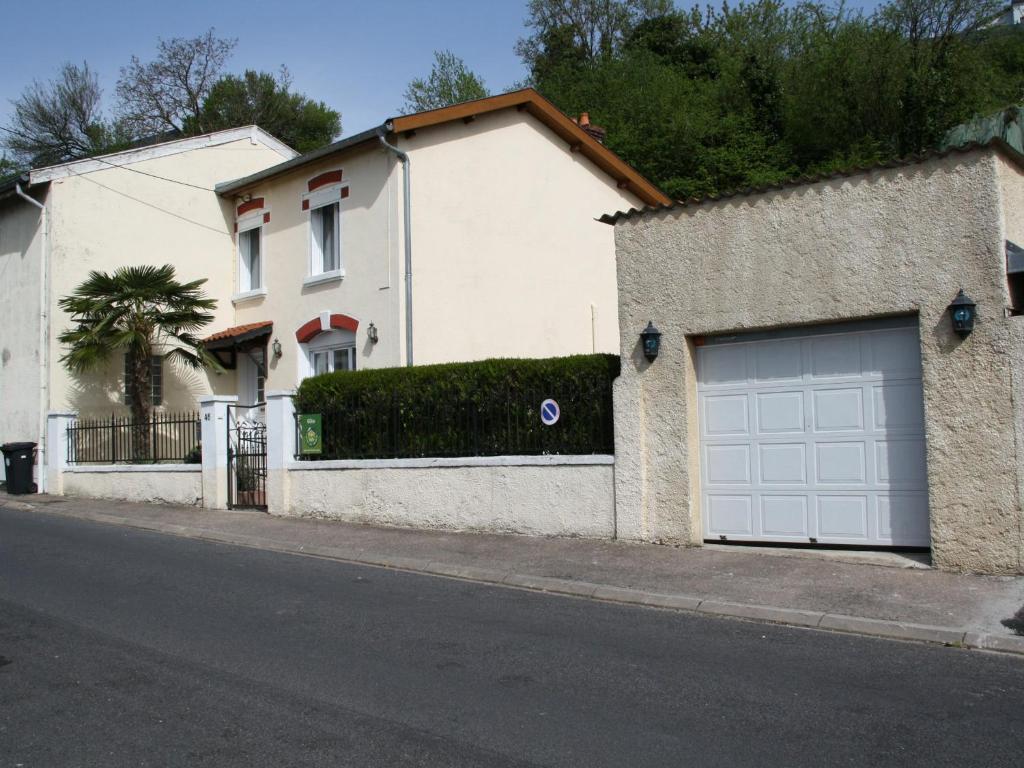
(485, 408)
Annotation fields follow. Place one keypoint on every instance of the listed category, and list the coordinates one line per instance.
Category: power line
(151, 205)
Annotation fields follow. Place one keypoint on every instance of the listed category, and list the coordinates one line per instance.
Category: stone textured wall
(896, 241)
(167, 484)
(460, 495)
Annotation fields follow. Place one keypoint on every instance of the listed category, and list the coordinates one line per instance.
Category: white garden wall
(538, 495)
(150, 483)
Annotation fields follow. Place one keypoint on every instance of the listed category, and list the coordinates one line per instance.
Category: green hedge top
(484, 408)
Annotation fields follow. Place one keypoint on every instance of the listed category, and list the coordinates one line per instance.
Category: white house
(151, 205)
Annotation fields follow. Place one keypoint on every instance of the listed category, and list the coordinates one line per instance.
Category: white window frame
(247, 224)
(318, 199)
(327, 342)
(156, 380)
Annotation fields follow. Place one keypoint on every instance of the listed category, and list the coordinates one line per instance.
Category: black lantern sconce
(963, 313)
(371, 333)
(651, 338)
(276, 347)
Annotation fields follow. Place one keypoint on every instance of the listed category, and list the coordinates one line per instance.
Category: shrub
(485, 408)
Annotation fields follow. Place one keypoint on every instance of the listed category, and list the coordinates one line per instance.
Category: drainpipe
(407, 219)
(44, 332)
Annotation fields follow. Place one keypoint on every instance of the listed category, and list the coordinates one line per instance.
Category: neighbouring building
(456, 234)
(150, 205)
(810, 387)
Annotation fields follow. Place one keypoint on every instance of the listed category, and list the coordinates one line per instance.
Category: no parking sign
(550, 412)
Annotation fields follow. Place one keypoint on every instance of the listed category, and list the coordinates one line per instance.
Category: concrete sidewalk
(882, 594)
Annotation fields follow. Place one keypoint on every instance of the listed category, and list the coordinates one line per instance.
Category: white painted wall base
(156, 484)
(541, 496)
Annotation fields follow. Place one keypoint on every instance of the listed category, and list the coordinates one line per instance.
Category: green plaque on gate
(311, 434)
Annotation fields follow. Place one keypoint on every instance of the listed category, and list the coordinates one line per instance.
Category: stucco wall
(529, 495)
(162, 484)
(369, 290)
(509, 260)
(20, 272)
(117, 216)
(898, 241)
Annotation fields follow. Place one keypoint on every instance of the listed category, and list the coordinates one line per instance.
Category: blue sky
(356, 56)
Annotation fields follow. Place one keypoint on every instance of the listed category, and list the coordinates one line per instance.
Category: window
(330, 360)
(250, 259)
(1015, 277)
(156, 379)
(325, 248)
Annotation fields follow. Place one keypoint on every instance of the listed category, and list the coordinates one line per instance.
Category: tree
(8, 168)
(260, 98)
(167, 94)
(60, 120)
(136, 310)
(450, 82)
(586, 30)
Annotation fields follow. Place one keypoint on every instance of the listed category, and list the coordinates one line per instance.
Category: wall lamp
(651, 338)
(276, 347)
(963, 312)
(371, 333)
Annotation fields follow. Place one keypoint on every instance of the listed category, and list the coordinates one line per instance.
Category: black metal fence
(166, 437)
(363, 429)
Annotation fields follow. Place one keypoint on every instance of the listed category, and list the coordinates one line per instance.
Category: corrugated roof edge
(803, 181)
(236, 185)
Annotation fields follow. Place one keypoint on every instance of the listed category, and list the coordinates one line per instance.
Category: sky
(357, 57)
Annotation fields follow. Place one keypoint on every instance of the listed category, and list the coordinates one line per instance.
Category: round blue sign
(549, 412)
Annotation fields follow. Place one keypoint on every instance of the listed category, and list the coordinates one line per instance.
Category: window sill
(334, 276)
(238, 298)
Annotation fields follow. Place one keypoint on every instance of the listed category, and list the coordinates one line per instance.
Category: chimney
(595, 131)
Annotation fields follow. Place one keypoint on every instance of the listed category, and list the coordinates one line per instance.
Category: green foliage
(486, 408)
(709, 101)
(133, 311)
(450, 82)
(260, 98)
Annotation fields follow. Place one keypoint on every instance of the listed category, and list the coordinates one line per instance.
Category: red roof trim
(239, 330)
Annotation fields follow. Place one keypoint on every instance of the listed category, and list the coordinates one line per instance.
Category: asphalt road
(121, 647)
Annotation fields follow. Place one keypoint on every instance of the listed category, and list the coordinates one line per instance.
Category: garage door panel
(903, 519)
(779, 361)
(727, 464)
(842, 517)
(900, 462)
(836, 356)
(784, 516)
(840, 463)
(838, 410)
(895, 354)
(783, 463)
(730, 515)
(723, 365)
(814, 438)
(898, 406)
(725, 415)
(780, 412)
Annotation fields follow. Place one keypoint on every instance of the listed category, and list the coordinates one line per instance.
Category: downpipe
(408, 219)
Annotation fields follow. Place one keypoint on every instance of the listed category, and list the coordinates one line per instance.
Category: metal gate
(247, 459)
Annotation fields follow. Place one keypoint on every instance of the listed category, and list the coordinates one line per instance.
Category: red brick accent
(344, 192)
(236, 227)
(312, 328)
(252, 205)
(305, 205)
(266, 218)
(329, 177)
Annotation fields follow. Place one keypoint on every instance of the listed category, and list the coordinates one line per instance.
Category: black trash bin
(18, 461)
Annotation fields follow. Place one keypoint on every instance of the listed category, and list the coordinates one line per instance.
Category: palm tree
(136, 310)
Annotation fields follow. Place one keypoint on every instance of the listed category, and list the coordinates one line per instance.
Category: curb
(858, 625)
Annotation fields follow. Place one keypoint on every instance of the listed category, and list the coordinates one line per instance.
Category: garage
(814, 436)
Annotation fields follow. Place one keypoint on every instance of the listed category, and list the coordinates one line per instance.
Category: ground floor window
(334, 359)
(156, 379)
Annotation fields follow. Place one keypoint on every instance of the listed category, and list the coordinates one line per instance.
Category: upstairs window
(1015, 277)
(325, 225)
(250, 259)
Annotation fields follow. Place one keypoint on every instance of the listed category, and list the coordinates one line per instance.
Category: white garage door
(817, 437)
